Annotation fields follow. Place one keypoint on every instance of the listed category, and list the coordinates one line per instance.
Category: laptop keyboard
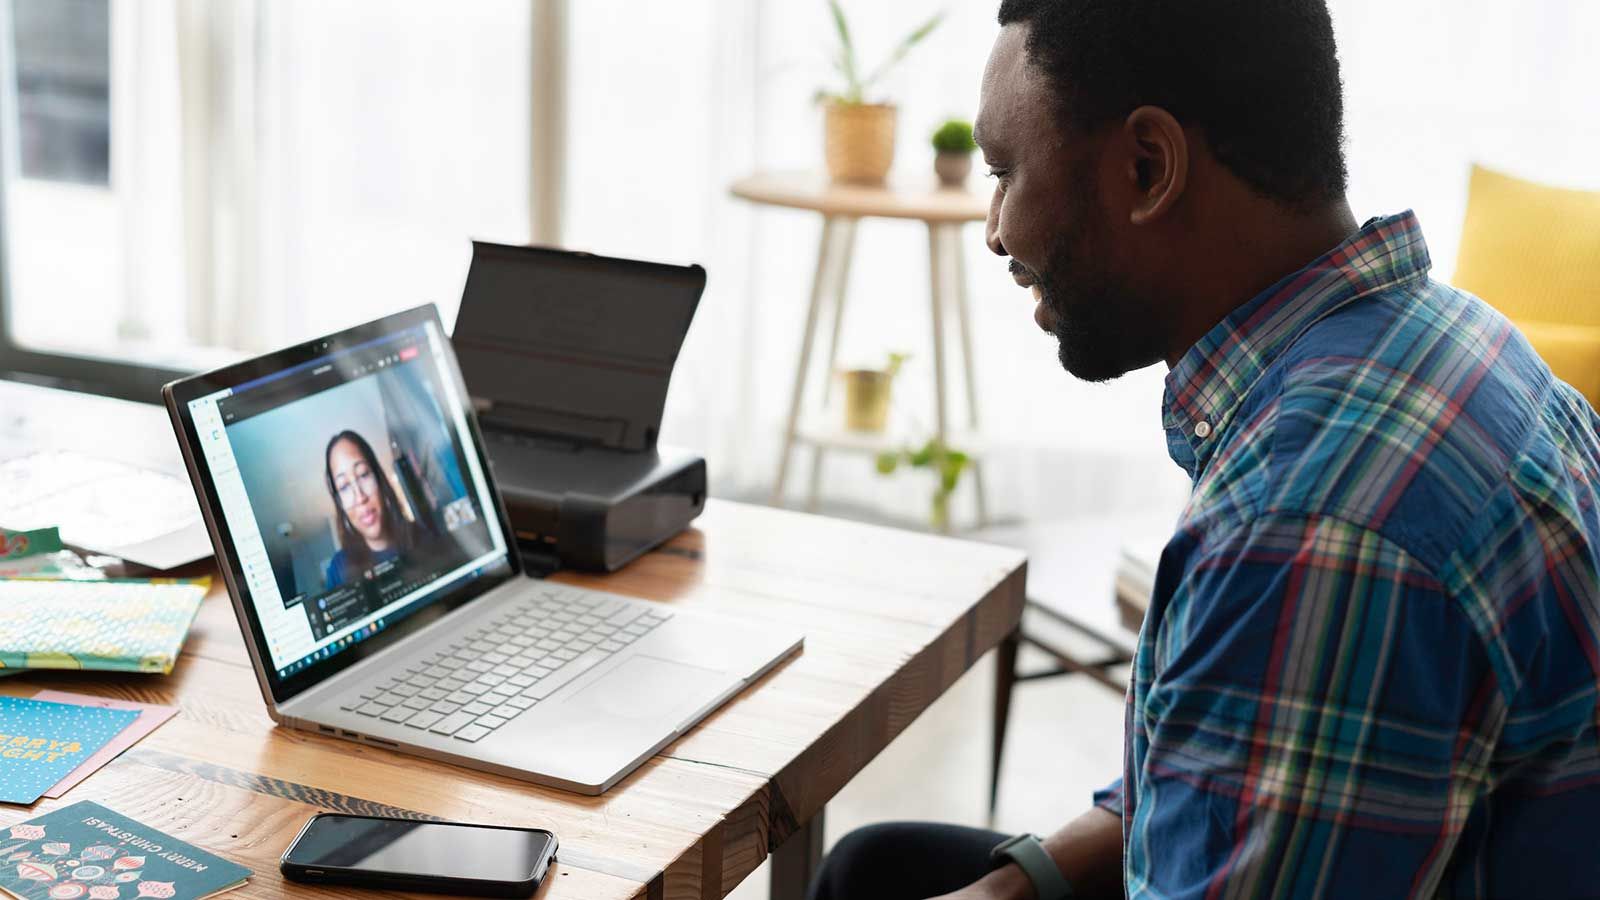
(518, 659)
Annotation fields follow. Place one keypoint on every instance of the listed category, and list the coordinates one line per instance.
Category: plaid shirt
(1371, 660)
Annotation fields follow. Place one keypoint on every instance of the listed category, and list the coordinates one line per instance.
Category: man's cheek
(1025, 239)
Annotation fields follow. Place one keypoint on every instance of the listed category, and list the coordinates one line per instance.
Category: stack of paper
(120, 625)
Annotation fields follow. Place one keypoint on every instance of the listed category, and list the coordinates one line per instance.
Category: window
(186, 183)
(64, 90)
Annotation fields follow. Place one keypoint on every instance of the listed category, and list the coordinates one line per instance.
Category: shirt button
(1202, 429)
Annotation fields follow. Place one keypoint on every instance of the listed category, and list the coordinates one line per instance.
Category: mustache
(1023, 273)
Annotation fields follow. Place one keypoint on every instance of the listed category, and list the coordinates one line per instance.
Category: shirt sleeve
(1109, 798)
(1318, 721)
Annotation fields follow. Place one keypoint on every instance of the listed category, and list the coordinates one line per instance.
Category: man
(1369, 668)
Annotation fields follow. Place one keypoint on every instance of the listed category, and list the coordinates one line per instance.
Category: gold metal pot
(858, 141)
(866, 398)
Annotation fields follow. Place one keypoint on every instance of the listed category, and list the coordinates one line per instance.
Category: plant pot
(953, 167)
(866, 399)
(858, 141)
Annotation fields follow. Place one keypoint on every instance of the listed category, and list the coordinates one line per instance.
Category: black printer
(568, 356)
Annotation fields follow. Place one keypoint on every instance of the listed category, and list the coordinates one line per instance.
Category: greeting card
(87, 851)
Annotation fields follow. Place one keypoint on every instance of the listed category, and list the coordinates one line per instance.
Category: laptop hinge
(539, 559)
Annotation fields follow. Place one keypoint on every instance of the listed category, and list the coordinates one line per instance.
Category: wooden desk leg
(819, 284)
(1005, 678)
(796, 861)
(964, 324)
(838, 289)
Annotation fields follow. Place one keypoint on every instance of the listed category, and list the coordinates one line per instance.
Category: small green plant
(946, 462)
(896, 360)
(848, 67)
(954, 136)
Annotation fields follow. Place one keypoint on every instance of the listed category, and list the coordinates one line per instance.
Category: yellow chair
(1533, 252)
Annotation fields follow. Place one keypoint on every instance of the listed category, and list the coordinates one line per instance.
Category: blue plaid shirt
(1371, 660)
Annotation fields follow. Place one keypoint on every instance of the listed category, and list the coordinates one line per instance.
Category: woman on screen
(371, 527)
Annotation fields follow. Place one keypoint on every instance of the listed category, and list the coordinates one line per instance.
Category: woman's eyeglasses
(354, 490)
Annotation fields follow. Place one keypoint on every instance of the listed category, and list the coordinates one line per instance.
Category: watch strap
(1029, 854)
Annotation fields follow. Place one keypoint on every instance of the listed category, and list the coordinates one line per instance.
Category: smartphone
(402, 854)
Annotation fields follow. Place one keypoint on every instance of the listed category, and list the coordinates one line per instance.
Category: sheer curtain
(279, 170)
(670, 103)
(388, 135)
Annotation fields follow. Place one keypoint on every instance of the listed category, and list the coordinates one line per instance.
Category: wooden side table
(945, 211)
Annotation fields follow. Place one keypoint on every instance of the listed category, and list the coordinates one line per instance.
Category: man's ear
(1158, 168)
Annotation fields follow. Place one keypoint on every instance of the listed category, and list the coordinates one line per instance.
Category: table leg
(814, 483)
(796, 861)
(819, 283)
(1005, 679)
(841, 285)
(838, 289)
(964, 324)
(936, 288)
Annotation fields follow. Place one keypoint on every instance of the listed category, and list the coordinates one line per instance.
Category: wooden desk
(891, 620)
(945, 211)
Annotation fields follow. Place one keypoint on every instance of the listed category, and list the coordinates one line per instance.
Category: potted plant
(953, 146)
(858, 135)
(945, 462)
(867, 393)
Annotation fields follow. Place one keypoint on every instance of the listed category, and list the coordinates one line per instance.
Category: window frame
(80, 372)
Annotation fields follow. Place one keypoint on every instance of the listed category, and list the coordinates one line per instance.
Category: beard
(1105, 326)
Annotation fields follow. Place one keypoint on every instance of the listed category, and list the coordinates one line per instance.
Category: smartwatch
(1028, 853)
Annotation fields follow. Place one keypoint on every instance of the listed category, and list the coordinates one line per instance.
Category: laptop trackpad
(645, 687)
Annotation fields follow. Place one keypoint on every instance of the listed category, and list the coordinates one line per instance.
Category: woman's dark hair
(402, 534)
(1260, 79)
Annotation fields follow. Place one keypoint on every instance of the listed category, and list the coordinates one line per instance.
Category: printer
(567, 357)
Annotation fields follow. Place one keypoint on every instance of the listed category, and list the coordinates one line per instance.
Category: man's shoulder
(1402, 412)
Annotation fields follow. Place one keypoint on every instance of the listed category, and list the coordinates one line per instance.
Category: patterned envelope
(122, 625)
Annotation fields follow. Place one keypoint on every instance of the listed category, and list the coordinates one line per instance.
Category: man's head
(1130, 138)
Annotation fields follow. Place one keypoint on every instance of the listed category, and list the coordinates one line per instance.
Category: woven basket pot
(858, 141)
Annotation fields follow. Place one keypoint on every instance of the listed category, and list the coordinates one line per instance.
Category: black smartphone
(438, 857)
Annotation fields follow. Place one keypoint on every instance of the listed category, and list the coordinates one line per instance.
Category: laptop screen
(351, 492)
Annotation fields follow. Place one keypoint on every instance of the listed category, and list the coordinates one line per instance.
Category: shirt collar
(1214, 376)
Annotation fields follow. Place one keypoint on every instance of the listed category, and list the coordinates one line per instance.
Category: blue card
(87, 852)
(41, 742)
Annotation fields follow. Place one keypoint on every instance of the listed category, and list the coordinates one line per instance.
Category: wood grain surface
(891, 620)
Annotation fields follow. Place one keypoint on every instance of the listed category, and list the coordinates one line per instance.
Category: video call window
(355, 479)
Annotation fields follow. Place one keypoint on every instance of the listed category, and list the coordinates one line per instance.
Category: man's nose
(991, 227)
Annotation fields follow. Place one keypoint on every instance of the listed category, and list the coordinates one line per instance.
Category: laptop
(377, 581)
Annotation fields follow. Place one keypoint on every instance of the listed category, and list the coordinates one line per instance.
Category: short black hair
(1259, 78)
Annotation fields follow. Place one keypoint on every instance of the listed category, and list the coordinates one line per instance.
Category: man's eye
(1001, 175)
